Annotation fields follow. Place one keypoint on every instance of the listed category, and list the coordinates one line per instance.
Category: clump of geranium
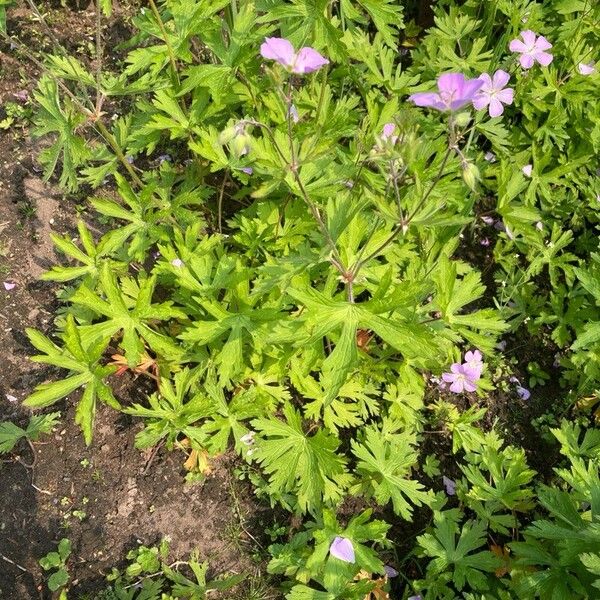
(463, 377)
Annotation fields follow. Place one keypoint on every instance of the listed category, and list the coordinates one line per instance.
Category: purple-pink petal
(278, 49)
(517, 46)
(390, 571)
(526, 61)
(342, 549)
(388, 130)
(469, 386)
(450, 485)
(457, 386)
(500, 79)
(496, 107)
(528, 37)
(428, 99)
(470, 87)
(308, 60)
(544, 58)
(506, 95)
(542, 43)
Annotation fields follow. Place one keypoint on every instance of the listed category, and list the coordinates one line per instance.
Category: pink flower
(532, 49)
(460, 379)
(454, 92)
(388, 133)
(390, 571)
(293, 113)
(473, 364)
(8, 285)
(493, 94)
(306, 60)
(342, 549)
(586, 68)
(527, 170)
(450, 485)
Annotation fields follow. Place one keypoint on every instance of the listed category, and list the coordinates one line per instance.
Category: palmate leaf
(454, 294)
(385, 461)
(326, 316)
(83, 363)
(386, 16)
(132, 317)
(61, 121)
(502, 477)
(297, 463)
(173, 411)
(469, 565)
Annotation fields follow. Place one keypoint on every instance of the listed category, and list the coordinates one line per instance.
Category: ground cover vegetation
(358, 252)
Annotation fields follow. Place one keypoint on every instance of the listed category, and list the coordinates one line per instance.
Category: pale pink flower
(8, 285)
(586, 68)
(460, 379)
(532, 49)
(527, 170)
(473, 364)
(450, 485)
(454, 92)
(388, 133)
(342, 549)
(177, 263)
(306, 60)
(493, 94)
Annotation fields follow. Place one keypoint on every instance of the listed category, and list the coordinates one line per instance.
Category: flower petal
(450, 485)
(388, 130)
(526, 61)
(487, 81)
(517, 46)
(529, 38)
(428, 99)
(278, 49)
(470, 88)
(469, 386)
(308, 60)
(450, 83)
(390, 571)
(543, 58)
(457, 386)
(506, 95)
(342, 549)
(496, 107)
(480, 101)
(542, 43)
(586, 68)
(501, 78)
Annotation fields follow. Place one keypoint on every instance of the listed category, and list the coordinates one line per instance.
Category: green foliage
(82, 358)
(297, 463)
(456, 554)
(148, 576)
(294, 280)
(11, 434)
(307, 561)
(56, 561)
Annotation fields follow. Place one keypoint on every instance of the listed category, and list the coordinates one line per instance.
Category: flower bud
(240, 145)
(462, 119)
(227, 135)
(471, 175)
